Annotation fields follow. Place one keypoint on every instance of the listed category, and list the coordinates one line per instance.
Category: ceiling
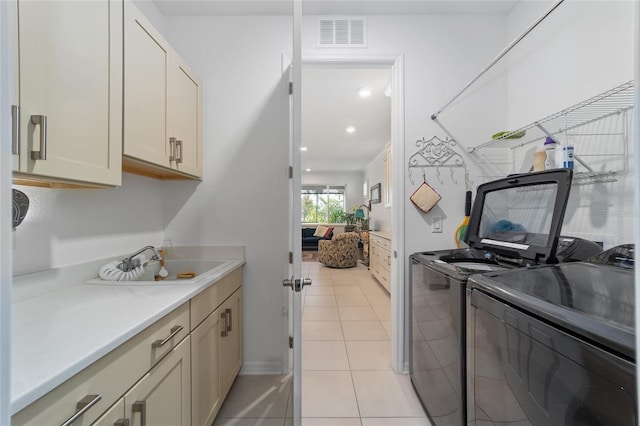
(328, 7)
(330, 103)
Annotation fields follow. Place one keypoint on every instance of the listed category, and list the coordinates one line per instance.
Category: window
(322, 204)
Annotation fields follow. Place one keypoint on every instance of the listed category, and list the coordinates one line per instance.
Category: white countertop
(57, 334)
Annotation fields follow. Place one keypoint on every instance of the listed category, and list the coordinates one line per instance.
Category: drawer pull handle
(179, 145)
(225, 330)
(140, 407)
(228, 313)
(15, 129)
(161, 342)
(82, 407)
(121, 422)
(40, 120)
(172, 149)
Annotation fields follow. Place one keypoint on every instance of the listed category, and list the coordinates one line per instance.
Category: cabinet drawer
(206, 302)
(109, 376)
(381, 242)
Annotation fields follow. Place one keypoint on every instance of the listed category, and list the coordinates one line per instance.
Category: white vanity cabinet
(162, 104)
(68, 126)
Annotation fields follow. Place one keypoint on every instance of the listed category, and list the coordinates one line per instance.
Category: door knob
(296, 285)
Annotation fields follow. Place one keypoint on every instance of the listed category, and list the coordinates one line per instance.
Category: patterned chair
(340, 252)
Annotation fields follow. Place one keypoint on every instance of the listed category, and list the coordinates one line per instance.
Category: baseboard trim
(261, 368)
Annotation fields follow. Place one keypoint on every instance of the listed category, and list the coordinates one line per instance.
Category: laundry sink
(198, 268)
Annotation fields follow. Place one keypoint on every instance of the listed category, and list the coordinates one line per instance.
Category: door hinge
(290, 342)
(290, 172)
(290, 257)
(291, 87)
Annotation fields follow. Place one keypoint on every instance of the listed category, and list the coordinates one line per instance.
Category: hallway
(347, 376)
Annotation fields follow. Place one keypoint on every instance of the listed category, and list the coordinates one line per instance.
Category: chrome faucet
(129, 263)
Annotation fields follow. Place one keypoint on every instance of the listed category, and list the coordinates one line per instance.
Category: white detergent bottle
(550, 151)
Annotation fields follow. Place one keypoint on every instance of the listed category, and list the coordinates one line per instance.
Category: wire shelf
(604, 105)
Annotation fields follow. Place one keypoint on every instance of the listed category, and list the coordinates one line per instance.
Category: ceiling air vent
(342, 32)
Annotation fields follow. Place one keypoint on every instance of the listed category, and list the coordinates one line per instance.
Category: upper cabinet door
(185, 118)
(70, 87)
(146, 61)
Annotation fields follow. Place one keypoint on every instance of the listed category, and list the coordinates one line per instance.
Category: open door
(294, 282)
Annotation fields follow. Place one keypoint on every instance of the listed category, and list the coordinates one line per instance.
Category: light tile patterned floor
(347, 377)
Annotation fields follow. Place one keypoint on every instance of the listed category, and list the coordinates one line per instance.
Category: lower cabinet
(114, 416)
(231, 342)
(163, 396)
(176, 372)
(380, 259)
(216, 353)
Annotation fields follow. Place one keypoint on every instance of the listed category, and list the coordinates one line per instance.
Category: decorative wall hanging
(375, 194)
(425, 197)
(437, 153)
(20, 203)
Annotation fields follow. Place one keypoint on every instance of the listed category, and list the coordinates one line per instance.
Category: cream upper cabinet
(146, 60)
(162, 104)
(70, 91)
(185, 118)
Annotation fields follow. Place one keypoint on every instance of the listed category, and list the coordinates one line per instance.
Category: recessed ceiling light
(307, 170)
(364, 92)
(350, 129)
(303, 148)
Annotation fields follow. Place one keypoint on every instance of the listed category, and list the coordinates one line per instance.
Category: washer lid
(596, 302)
(520, 216)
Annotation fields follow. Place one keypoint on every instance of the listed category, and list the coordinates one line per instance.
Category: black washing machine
(515, 223)
(554, 345)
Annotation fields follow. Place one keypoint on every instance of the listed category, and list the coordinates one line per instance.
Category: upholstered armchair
(340, 252)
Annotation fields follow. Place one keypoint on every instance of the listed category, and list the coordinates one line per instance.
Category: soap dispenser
(550, 153)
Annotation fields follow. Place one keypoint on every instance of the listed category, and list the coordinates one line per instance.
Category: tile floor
(347, 377)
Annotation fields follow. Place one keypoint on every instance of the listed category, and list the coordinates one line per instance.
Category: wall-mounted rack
(598, 128)
(436, 153)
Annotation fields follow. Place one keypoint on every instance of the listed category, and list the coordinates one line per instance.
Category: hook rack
(437, 153)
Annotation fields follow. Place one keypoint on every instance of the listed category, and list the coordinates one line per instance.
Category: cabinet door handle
(228, 313)
(161, 342)
(179, 146)
(15, 129)
(389, 260)
(140, 407)
(225, 330)
(40, 120)
(121, 422)
(82, 407)
(172, 149)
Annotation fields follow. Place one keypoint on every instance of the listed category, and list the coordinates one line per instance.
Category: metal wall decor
(437, 153)
(20, 203)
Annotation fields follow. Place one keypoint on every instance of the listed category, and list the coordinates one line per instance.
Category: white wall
(71, 226)
(582, 49)
(441, 54)
(243, 198)
(374, 174)
(352, 180)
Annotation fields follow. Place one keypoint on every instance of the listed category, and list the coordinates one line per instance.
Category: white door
(295, 282)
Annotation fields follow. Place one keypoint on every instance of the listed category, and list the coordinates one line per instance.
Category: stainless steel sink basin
(174, 267)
